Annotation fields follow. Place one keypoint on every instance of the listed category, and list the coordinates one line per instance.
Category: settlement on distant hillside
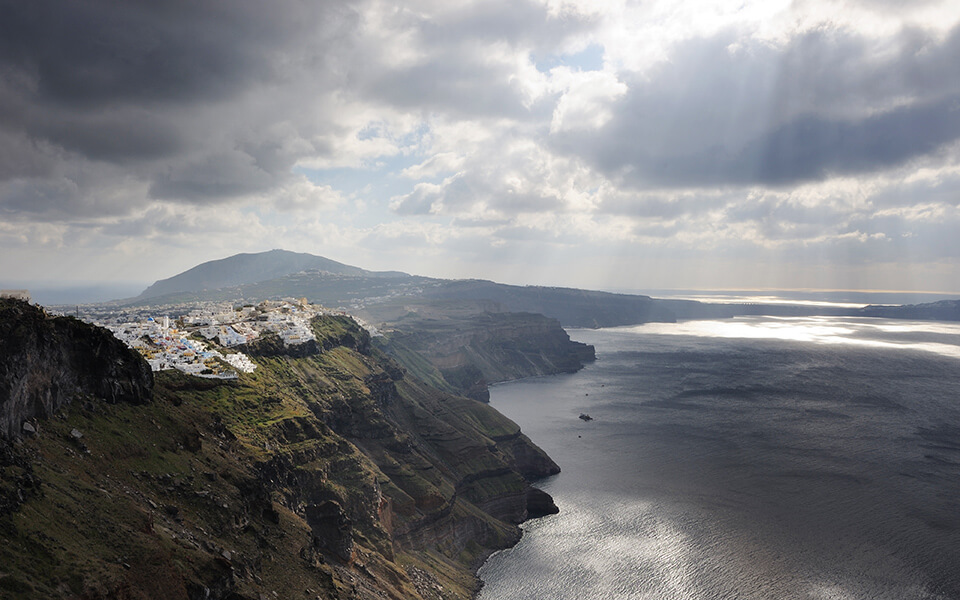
(197, 342)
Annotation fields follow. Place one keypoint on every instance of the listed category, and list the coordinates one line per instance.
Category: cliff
(572, 307)
(944, 310)
(466, 352)
(327, 473)
(47, 362)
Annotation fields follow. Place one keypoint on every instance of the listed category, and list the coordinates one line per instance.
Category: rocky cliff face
(47, 362)
(572, 307)
(328, 473)
(469, 352)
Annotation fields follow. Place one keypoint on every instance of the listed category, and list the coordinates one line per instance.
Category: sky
(812, 144)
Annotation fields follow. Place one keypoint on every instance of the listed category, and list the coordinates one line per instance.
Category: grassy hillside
(335, 475)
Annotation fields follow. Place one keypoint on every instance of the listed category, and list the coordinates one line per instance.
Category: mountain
(384, 298)
(243, 269)
(943, 310)
(331, 474)
(572, 307)
(380, 295)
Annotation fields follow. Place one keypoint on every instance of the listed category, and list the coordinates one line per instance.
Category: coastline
(349, 471)
(676, 476)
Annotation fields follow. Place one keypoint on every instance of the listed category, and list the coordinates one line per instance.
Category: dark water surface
(752, 458)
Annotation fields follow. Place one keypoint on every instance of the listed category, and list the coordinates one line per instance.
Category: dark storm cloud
(57, 197)
(812, 148)
(36, 197)
(86, 53)
(807, 148)
(217, 175)
(21, 156)
(830, 102)
(156, 92)
(119, 135)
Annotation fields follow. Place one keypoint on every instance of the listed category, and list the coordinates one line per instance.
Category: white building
(229, 337)
(17, 294)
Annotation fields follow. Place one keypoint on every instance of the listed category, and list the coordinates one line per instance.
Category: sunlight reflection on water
(818, 330)
(768, 299)
(749, 459)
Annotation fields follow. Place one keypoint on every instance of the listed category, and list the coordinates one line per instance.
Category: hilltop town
(207, 339)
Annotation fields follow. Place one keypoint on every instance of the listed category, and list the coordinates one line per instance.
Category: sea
(748, 458)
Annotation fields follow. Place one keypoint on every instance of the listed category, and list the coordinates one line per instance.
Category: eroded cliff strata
(331, 473)
(466, 353)
(47, 362)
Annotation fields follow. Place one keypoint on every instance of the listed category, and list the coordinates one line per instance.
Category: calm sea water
(813, 458)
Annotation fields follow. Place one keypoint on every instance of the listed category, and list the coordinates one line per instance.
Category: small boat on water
(585, 417)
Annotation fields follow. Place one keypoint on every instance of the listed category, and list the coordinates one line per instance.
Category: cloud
(731, 111)
(141, 52)
(467, 59)
(586, 100)
(501, 177)
(221, 174)
(190, 99)
(814, 129)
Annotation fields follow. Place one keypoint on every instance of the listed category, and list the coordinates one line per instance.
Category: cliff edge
(466, 353)
(328, 472)
(47, 362)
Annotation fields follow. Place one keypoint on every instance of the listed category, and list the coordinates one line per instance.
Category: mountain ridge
(247, 268)
(385, 297)
(279, 273)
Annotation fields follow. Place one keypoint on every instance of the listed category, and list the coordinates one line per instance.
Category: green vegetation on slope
(334, 475)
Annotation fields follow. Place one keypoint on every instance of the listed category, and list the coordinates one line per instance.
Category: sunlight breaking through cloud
(814, 135)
